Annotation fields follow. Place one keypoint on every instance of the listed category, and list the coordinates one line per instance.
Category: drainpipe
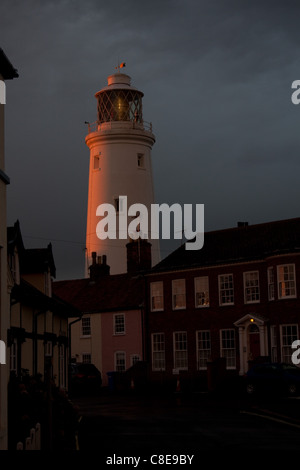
(69, 335)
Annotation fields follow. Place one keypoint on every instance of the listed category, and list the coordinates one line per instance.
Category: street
(131, 425)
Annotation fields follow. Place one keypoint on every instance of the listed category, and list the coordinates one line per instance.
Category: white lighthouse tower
(120, 144)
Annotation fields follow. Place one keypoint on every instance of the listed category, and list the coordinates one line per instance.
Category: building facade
(111, 331)
(38, 334)
(234, 302)
(7, 72)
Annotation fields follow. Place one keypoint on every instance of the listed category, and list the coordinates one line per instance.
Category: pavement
(178, 423)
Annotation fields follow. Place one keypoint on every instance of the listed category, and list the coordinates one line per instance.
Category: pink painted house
(110, 331)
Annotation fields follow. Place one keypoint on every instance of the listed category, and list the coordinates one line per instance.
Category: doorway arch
(253, 339)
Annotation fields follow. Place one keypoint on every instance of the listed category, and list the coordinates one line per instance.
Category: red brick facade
(252, 328)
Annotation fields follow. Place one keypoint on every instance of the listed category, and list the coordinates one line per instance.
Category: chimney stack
(98, 268)
(138, 255)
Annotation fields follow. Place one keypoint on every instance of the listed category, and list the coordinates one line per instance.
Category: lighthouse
(120, 144)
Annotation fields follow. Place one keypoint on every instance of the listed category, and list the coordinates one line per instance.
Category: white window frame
(178, 289)
(251, 287)
(134, 358)
(180, 350)
(201, 285)
(203, 348)
(228, 291)
(271, 283)
(86, 327)
(286, 282)
(48, 349)
(157, 293)
(120, 356)
(117, 325)
(288, 334)
(158, 351)
(273, 338)
(86, 358)
(228, 349)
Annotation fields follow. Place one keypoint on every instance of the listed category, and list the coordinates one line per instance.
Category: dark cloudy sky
(217, 80)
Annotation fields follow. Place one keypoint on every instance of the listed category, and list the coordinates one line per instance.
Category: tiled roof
(109, 293)
(244, 243)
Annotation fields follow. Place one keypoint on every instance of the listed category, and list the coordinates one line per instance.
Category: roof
(109, 293)
(238, 244)
(14, 238)
(37, 260)
(30, 295)
(119, 81)
(32, 260)
(7, 70)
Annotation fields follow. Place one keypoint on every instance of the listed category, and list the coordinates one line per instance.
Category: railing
(107, 125)
(33, 441)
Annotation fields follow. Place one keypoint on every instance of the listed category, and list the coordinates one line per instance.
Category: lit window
(251, 287)
(119, 324)
(201, 292)
(180, 350)
(158, 351)
(203, 349)
(286, 281)
(226, 293)
(157, 296)
(178, 294)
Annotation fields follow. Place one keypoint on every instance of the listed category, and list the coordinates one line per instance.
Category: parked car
(273, 378)
(84, 378)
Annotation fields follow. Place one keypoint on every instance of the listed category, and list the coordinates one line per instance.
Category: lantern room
(119, 101)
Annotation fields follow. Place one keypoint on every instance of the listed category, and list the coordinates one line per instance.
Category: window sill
(288, 297)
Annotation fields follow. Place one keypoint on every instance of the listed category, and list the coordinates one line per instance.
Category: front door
(254, 342)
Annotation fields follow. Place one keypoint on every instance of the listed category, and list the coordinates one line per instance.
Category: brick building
(233, 302)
